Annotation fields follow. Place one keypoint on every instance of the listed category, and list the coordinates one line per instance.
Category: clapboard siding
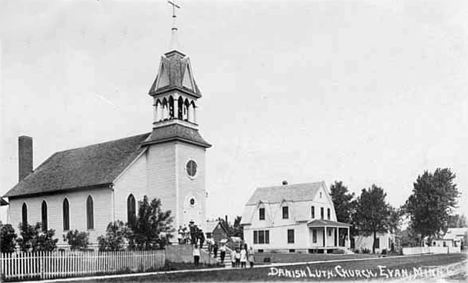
(102, 199)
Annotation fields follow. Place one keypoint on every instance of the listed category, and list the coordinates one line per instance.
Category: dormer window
(261, 213)
(285, 212)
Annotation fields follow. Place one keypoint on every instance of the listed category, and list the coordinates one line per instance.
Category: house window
(261, 213)
(290, 236)
(131, 210)
(261, 237)
(320, 194)
(329, 232)
(285, 212)
(328, 213)
(314, 236)
(89, 213)
(66, 215)
(24, 214)
(377, 243)
(44, 215)
(321, 213)
(312, 211)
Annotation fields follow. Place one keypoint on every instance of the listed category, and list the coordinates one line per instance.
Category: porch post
(336, 240)
(348, 242)
(325, 236)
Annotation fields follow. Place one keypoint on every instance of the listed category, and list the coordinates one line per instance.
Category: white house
(384, 241)
(86, 188)
(299, 217)
(453, 238)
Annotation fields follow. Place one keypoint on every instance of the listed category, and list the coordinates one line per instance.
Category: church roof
(276, 194)
(175, 73)
(176, 132)
(84, 167)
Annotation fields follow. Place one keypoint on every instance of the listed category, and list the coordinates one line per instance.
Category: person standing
(237, 257)
(215, 250)
(243, 258)
(222, 252)
(233, 258)
(196, 255)
(251, 257)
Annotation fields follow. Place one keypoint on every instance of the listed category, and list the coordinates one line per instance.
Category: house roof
(176, 132)
(174, 64)
(453, 233)
(295, 192)
(211, 226)
(323, 222)
(84, 167)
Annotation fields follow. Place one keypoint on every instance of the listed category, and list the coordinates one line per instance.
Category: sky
(365, 92)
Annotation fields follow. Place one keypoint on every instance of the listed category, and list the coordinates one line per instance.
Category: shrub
(34, 239)
(7, 238)
(366, 251)
(77, 240)
(116, 237)
(267, 259)
(338, 251)
(384, 251)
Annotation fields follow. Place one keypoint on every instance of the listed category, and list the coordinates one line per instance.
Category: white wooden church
(86, 188)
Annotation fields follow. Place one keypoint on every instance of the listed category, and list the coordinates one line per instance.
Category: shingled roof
(295, 192)
(176, 132)
(174, 64)
(84, 167)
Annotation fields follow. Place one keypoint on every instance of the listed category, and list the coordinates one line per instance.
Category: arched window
(89, 213)
(24, 214)
(66, 215)
(131, 209)
(44, 215)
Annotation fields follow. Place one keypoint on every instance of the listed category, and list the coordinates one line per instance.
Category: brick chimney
(25, 156)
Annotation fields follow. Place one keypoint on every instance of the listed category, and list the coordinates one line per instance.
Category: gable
(84, 167)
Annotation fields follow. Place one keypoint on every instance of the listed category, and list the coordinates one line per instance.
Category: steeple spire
(174, 38)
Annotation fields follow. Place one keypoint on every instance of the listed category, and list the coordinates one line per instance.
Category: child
(233, 258)
(243, 258)
(251, 257)
(237, 258)
(196, 255)
(223, 252)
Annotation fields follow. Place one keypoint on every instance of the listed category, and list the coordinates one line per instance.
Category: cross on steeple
(174, 39)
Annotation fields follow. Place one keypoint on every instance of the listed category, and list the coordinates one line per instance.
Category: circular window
(192, 201)
(191, 168)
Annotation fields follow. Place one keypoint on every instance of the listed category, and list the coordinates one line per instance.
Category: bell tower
(175, 148)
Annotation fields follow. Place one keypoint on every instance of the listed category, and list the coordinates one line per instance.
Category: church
(86, 188)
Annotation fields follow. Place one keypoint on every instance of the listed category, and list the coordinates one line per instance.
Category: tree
(7, 238)
(457, 221)
(372, 213)
(431, 202)
(77, 240)
(34, 239)
(394, 219)
(117, 234)
(152, 228)
(343, 202)
(234, 230)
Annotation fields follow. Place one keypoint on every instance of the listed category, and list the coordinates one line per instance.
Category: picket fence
(62, 264)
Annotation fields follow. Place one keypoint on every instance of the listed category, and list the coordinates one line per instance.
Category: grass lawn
(375, 268)
(296, 257)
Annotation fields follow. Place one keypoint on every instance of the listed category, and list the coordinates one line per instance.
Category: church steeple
(174, 90)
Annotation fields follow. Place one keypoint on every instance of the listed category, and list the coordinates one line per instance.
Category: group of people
(240, 257)
(191, 235)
